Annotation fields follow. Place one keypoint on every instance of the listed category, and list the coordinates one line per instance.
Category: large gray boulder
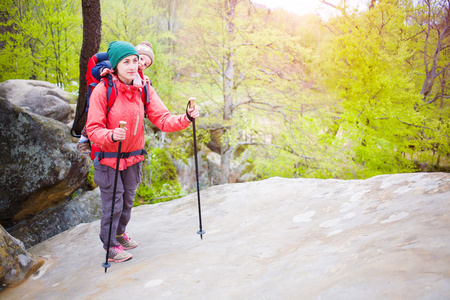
(40, 97)
(386, 237)
(40, 166)
(83, 208)
(16, 264)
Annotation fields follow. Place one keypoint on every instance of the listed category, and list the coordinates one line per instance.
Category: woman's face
(127, 69)
(144, 62)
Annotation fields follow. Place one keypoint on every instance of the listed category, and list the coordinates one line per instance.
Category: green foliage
(381, 124)
(308, 29)
(303, 146)
(135, 21)
(160, 180)
(368, 65)
(41, 41)
(182, 143)
(349, 97)
(90, 178)
(127, 20)
(14, 57)
(251, 75)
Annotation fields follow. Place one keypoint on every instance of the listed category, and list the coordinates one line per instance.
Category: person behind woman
(146, 59)
(103, 130)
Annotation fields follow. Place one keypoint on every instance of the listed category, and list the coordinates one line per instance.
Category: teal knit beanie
(118, 50)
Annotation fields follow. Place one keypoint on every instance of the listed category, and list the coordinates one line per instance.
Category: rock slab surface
(386, 237)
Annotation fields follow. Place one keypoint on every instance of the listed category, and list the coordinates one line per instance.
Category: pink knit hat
(147, 49)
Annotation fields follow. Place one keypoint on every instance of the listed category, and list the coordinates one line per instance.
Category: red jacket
(129, 107)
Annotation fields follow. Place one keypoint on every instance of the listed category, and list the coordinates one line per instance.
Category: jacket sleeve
(98, 69)
(96, 127)
(160, 116)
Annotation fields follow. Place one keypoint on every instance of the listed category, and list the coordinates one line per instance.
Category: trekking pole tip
(106, 265)
(201, 232)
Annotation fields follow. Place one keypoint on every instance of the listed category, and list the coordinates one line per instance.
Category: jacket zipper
(137, 123)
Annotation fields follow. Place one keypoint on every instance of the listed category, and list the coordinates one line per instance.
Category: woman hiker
(146, 59)
(103, 130)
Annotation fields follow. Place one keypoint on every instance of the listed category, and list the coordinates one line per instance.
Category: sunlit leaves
(369, 65)
(43, 43)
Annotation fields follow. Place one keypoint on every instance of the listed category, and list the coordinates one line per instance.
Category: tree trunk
(92, 25)
(435, 70)
(227, 150)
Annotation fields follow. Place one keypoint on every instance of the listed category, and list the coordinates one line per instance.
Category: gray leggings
(127, 184)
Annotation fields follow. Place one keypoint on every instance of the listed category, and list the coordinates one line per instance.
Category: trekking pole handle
(192, 102)
(122, 124)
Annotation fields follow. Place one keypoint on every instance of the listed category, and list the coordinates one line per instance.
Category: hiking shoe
(126, 242)
(84, 148)
(116, 254)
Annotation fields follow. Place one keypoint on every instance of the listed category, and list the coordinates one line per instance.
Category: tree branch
(292, 151)
(332, 5)
(418, 126)
(438, 96)
(285, 148)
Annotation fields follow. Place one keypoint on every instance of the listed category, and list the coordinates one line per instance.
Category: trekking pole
(191, 104)
(106, 265)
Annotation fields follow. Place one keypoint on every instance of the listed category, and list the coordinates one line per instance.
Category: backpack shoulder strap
(110, 93)
(146, 94)
(90, 88)
(145, 89)
(145, 98)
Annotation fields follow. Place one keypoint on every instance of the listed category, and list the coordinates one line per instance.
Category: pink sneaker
(126, 242)
(117, 254)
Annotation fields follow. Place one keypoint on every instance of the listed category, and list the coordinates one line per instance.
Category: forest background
(362, 93)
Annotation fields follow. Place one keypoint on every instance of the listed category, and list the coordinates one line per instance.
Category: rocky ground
(386, 237)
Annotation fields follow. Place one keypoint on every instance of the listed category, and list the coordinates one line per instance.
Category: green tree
(432, 22)
(250, 74)
(127, 20)
(370, 64)
(152, 21)
(41, 42)
(15, 41)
